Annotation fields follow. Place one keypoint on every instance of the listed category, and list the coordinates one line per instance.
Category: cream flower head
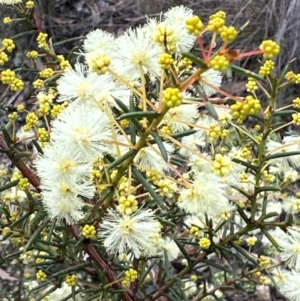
(134, 233)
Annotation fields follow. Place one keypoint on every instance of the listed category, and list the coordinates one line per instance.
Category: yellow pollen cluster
(16, 176)
(249, 107)
(52, 93)
(296, 103)
(45, 98)
(38, 84)
(41, 276)
(224, 133)
(165, 60)
(14, 216)
(46, 73)
(263, 261)
(251, 85)
(216, 21)
(228, 34)
(43, 134)
(221, 165)
(39, 259)
(291, 76)
(3, 172)
(226, 215)
(29, 4)
(194, 277)
(3, 58)
(123, 184)
(125, 123)
(8, 44)
(41, 39)
(71, 280)
(214, 131)
(172, 97)
(223, 150)
(204, 243)
(257, 127)
(194, 25)
(113, 174)
(33, 54)
(44, 109)
(266, 68)
(296, 118)
(296, 79)
(45, 101)
(23, 184)
(57, 109)
(185, 64)
(166, 188)
(130, 276)
(246, 153)
(219, 62)
(7, 198)
(5, 231)
(31, 119)
(27, 256)
(96, 174)
(63, 63)
(153, 177)
(251, 241)
(88, 231)
(268, 177)
(264, 280)
(270, 49)
(13, 116)
(167, 130)
(128, 205)
(219, 14)
(258, 138)
(17, 84)
(296, 206)
(164, 34)
(98, 63)
(7, 20)
(194, 231)
(7, 76)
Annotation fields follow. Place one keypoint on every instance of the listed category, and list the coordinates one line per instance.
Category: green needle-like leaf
(148, 187)
(120, 160)
(9, 185)
(195, 59)
(284, 112)
(246, 72)
(70, 270)
(267, 188)
(281, 155)
(160, 145)
(7, 137)
(132, 115)
(244, 253)
(36, 234)
(244, 163)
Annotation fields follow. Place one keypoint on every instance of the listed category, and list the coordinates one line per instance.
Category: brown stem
(26, 172)
(38, 21)
(90, 250)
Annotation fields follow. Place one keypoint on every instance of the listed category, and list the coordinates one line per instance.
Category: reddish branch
(89, 249)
